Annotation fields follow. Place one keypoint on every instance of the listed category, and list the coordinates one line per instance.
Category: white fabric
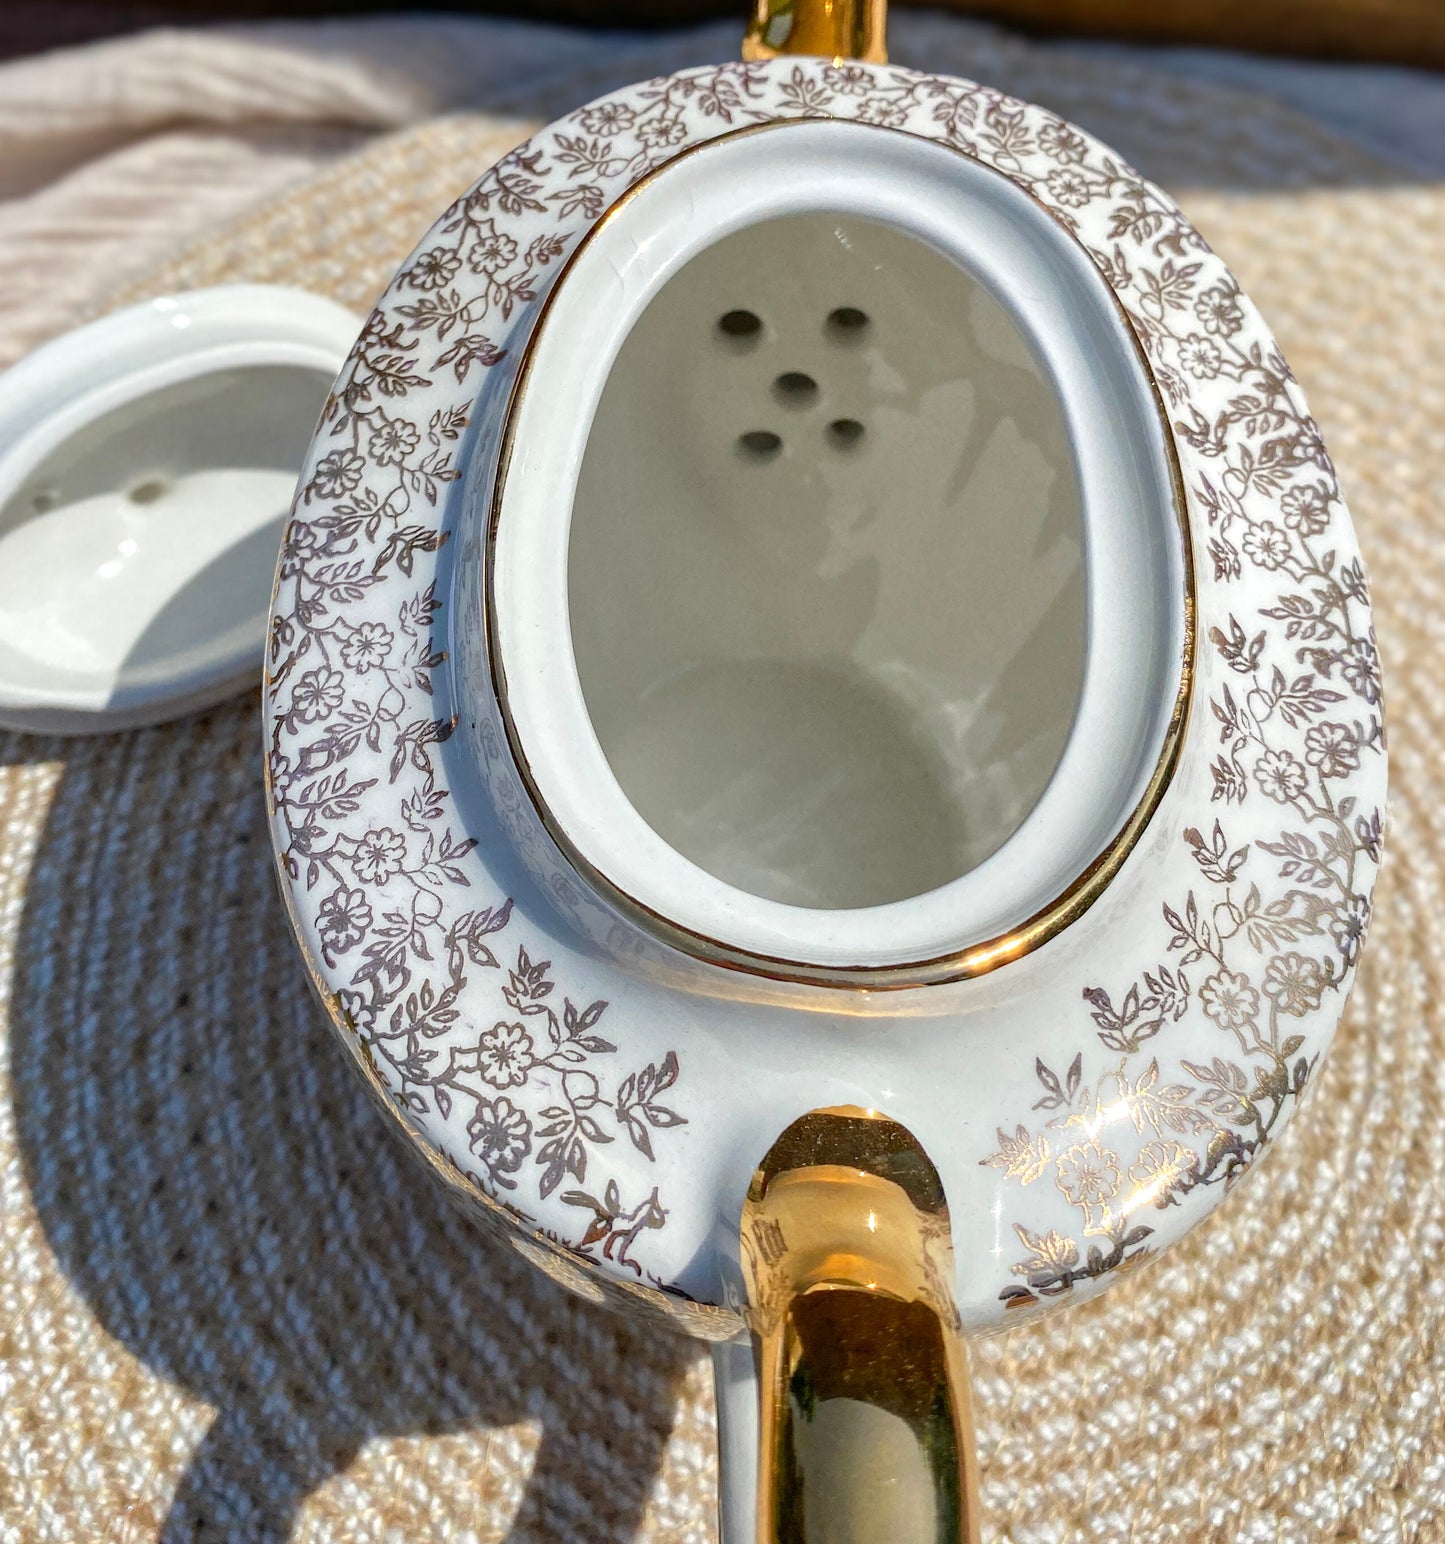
(112, 155)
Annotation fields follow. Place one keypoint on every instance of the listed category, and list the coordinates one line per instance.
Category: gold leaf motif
(1020, 1156)
(1161, 1107)
(1050, 1253)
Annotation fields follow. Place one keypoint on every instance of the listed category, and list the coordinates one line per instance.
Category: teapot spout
(864, 1426)
(835, 29)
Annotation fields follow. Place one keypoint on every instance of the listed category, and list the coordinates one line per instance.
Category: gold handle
(864, 1430)
(836, 29)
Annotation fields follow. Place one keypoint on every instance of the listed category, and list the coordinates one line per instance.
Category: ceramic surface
(146, 466)
(959, 680)
(607, 1095)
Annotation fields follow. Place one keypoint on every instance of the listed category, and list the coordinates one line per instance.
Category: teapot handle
(836, 29)
(851, 1416)
(848, 1418)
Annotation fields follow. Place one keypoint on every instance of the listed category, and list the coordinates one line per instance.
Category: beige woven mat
(229, 1307)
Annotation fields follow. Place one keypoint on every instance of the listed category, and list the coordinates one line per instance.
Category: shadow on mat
(215, 1183)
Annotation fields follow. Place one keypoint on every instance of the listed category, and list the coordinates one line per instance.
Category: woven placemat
(229, 1306)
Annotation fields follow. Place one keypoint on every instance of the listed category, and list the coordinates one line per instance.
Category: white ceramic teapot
(824, 735)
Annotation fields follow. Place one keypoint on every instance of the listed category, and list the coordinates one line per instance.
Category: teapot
(824, 739)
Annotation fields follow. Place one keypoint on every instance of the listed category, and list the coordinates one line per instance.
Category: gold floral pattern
(443, 989)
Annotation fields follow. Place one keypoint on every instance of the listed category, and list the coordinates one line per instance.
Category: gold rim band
(958, 965)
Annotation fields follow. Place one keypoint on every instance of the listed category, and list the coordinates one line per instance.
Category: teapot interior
(826, 573)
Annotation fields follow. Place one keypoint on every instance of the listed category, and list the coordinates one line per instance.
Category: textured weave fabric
(229, 1304)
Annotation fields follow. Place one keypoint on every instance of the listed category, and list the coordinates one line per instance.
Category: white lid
(147, 464)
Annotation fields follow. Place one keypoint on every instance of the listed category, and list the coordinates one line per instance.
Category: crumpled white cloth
(112, 155)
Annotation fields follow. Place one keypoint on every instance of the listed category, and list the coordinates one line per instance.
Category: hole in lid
(845, 433)
(847, 324)
(794, 389)
(760, 444)
(741, 326)
(179, 591)
(149, 491)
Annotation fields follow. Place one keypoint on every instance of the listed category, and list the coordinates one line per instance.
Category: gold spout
(836, 29)
(865, 1431)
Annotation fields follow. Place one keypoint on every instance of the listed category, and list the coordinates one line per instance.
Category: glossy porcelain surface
(921, 590)
(826, 663)
(147, 464)
(575, 1073)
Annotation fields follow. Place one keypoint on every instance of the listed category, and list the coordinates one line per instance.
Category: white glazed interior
(826, 569)
(1134, 596)
(148, 468)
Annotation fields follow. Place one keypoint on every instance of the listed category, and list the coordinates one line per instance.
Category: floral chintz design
(1273, 926)
(531, 1091)
(350, 691)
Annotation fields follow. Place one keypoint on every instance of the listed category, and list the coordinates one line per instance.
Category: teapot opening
(826, 569)
(837, 590)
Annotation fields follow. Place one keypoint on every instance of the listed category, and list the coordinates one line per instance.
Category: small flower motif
(379, 855)
(500, 1135)
(1349, 926)
(1050, 1254)
(1069, 187)
(1266, 545)
(433, 269)
(1333, 748)
(658, 133)
(1360, 666)
(394, 441)
(1158, 1169)
(1229, 1000)
(298, 548)
(1307, 508)
(1294, 983)
(1201, 356)
(505, 1055)
(887, 115)
(358, 1010)
(608, 118)
(367, 645)
(342, 919)
(317, 694)
(493, 249)
(1280, 776)
(850, 79)
(1061, 141)
(1218, 309)
(1088, 1175)
(336, 473)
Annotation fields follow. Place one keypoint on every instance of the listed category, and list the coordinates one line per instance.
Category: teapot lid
(147, 461)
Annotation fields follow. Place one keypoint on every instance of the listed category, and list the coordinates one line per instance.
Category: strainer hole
(740, 326)
(845, 433)
(794, 389)
(149, 491)
(760, 444)
(847, 324)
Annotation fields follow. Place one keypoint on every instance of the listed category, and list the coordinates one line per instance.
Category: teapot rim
(898, 944)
